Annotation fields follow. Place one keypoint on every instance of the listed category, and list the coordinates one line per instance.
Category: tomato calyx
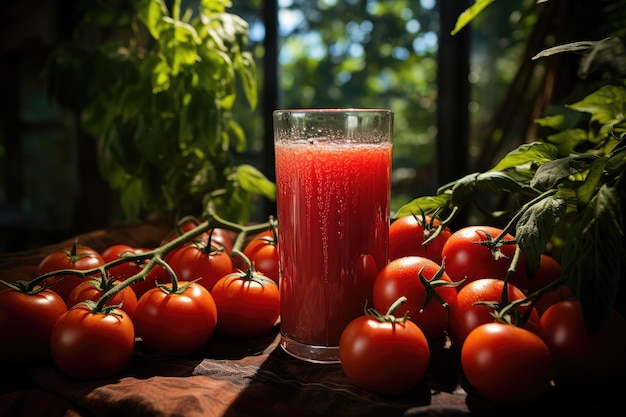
(504, 313)
(100, 308)
(428, 226)
(432, 285)
(174, 287)
(273, 239)
(73, 254)
(249, 273)
(205, 243)
(103, 283)
(494, 243)
(433, 234)
(389, 317)
(507, 312)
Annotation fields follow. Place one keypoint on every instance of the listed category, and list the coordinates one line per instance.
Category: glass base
(310, 353)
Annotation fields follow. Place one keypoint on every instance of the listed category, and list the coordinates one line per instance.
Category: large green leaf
(151, 14)
(607, 105)
(535, 227)
(567, 140)
(550, 174)
(529, 154)
(427, 204)
(246, 69)
(494, 182)
(592, 262)
(251, 179)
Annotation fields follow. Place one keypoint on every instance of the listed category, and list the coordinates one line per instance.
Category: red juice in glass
(333, 215)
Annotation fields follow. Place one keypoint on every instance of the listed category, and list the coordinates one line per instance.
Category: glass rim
(333, 110)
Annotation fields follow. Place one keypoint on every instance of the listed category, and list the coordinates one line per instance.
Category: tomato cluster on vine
(86, 309)
(516, 335)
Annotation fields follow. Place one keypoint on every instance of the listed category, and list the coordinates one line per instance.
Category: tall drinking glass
(333, 169)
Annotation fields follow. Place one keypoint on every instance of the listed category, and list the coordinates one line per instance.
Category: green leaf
(217, 6)
(592, 181)
(251, 179)
(178, 44)
(557, 121)
(550, 174)
(151, 15)
(535, 228)
(535, 153)
(429, 204)
(237, 135)
(151, 140)
(567, 140)
(209, 70)
(469, 14)
(607, 105)
(201, 123)
(497, 182)
(491, 182)
(246, 68)
(161, 76)
(592, 261)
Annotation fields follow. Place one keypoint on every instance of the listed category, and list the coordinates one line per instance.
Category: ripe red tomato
(548, 272)
(262, 251)
(93, 289)
(383, 357)
(407, 235)
(89, 345)
(114, 252)
(506, 364)
(176, 323)
(467, 255)
(75, 257)
(467, 315)
(248, 304)
(579, 357)
(400, 277)
(26, 321)
(200, 260)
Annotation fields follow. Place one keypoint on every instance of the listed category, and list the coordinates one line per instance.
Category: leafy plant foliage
(572, 200)
(566, 191)
(156, 90)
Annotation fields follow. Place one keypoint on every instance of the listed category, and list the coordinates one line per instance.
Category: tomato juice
(333, 214)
